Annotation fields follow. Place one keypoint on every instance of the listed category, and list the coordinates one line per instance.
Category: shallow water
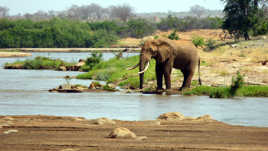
(24, 92)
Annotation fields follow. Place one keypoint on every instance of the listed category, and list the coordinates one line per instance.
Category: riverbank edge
(103, 50)
(14, 54)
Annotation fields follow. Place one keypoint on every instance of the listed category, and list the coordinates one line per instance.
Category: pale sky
(140, 6)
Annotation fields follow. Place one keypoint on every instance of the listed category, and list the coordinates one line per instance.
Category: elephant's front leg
(159, 76)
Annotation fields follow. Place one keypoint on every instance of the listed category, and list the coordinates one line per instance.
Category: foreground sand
(49, 133)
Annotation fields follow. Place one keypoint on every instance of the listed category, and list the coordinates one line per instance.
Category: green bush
(174, 35)
(198, 41)
(40, 63)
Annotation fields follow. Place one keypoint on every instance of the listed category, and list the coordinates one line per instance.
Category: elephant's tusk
(145, 69)
(131, 68)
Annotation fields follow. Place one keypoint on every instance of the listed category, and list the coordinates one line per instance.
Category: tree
(3, 12)
(241, 16)
(198, 10)
(123, 12)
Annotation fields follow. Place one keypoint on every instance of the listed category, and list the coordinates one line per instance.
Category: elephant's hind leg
(188, 75)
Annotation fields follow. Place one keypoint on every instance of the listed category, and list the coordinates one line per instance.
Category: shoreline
(14, 54)
(103, 50)
(62, 133)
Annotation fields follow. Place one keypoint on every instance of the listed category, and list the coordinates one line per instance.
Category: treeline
(63, 33)
(54, 33)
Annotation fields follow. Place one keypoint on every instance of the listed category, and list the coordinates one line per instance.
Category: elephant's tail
(199, 79)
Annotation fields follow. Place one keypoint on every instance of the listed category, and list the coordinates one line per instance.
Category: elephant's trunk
(144, 65)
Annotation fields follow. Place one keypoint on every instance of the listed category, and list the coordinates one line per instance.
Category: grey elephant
(168, 55)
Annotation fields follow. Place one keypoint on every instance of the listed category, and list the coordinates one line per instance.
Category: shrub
(40, 63)
(210, 44)
(92, 61)
(198, 41)
(174, 35)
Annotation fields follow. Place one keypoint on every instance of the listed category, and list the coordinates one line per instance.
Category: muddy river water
(24, 92)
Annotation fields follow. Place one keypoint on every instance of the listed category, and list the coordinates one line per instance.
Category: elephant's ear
(164, 50)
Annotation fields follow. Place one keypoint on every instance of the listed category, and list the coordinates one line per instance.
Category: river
(24, 92)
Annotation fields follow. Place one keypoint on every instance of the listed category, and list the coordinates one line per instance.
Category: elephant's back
(185, 56)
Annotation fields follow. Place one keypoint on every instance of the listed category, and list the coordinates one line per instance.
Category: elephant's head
(158, 49)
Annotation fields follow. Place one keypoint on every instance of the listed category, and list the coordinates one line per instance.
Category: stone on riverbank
(174, 116)
(122, 132)
(103, 121)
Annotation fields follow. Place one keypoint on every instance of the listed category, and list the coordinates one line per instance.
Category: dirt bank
(76, 49)
(13, 54)
(45, 133)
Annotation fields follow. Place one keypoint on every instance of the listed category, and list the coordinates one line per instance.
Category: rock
(103, 121)
(8, 118)
(122, 132)
(110, 85)
(204, 118)
(79, 64)
(95, 85)
(63, 68)
(10, 131)
(234, 46)
(70, 149)
(141, 138)
(171, 116)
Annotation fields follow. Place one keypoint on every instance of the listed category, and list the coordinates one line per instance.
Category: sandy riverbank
(45, 133)
(14, 54)
(75, 49)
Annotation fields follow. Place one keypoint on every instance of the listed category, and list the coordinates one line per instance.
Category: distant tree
(241, 16)
(123, 12)
(170, 22)
(198, 10)
(139, 28)
(3, 12)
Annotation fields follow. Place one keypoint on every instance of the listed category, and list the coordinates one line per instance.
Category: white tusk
(145, 69)
(131, 68)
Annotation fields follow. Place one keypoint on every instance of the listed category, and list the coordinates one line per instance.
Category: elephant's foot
(159, 89)
(183, 88)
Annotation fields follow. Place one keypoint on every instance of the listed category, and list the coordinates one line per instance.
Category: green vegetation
(236, 89)
(39, 63)
(174, 35)
(93, 60)
(188, 23)
(140, 27)
(210, 44)
(66, 33)
(242, 17)
(54, 33)
(115, 71)
(224, 92)
(198, 41)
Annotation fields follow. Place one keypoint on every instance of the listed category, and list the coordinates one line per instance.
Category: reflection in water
(24, 92)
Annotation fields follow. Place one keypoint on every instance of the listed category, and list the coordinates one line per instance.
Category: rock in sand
(122, 132)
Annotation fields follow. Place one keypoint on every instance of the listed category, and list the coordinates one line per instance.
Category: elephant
(168, 55)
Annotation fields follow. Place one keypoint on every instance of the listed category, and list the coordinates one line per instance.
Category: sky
(140, 6)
